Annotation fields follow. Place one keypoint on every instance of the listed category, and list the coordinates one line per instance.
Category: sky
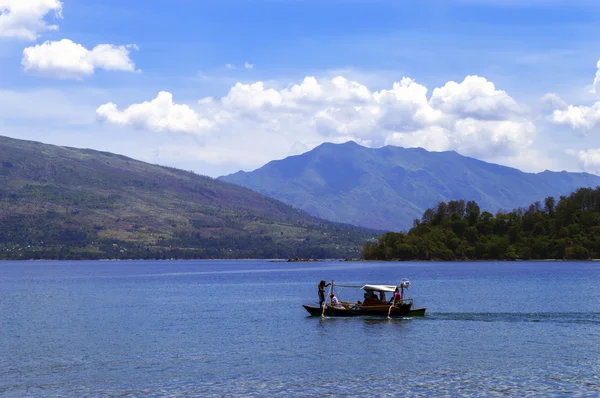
(217, 86)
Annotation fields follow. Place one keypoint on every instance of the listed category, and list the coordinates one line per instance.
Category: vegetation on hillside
(67, 203)
(567, 229)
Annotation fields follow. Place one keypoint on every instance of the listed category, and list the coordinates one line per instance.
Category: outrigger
(397, 306)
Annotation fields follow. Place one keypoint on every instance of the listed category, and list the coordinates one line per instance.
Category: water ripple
(551, 317)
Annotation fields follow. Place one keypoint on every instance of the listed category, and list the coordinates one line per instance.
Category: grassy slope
(389, 187)
(67, 202)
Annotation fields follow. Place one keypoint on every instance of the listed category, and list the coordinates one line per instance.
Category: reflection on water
(219, 328)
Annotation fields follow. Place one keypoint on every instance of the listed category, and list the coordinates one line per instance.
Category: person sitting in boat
(371, 298)
(382, 297)
(322, 286)
(334, 301)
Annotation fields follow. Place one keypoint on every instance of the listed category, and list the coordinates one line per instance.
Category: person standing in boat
(322, 286)
(397, 295)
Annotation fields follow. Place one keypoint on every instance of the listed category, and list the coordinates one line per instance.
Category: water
(228, 328)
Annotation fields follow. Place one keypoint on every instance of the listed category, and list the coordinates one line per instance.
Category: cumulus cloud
(25, 19)
(589, 160)
(160, 114)
(578, 117)
(473, 137)
(476, 98)
(596, 84)
(252, 96)
(248, 65)
(472, 116)
(65, 59)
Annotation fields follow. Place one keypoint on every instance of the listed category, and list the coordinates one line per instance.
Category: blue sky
(252, 58)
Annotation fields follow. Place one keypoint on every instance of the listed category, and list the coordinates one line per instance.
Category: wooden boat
(371, 306)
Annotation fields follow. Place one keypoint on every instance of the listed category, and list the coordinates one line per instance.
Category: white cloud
(472, 117)
(229, 66)
(582, 117)
(252, 96)
(405, 108)
(475, 97)
(578, 117)
(553, 102)
(479, 138)
(596, 84)
(589, 160)
(160, 114)
(65, 59)
(248, 65)
(25, 19)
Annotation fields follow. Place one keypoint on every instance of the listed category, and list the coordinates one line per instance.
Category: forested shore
(565, 229)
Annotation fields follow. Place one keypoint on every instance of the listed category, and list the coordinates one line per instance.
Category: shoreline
(281, 260)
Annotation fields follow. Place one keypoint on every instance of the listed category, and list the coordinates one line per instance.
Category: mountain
(389, 187)
(59, 202)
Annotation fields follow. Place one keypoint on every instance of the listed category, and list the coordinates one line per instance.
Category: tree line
(59, 236)
(565, 229)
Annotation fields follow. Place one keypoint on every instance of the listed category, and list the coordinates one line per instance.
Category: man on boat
(371, 298)
(334, 301)
(322, 286)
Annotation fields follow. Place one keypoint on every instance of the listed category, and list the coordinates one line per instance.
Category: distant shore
(283, 260)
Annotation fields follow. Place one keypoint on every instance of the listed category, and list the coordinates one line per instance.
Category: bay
(237, 328)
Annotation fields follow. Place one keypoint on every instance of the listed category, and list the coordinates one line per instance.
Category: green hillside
(59, 202)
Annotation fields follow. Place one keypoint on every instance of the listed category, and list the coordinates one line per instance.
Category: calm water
(214, 328)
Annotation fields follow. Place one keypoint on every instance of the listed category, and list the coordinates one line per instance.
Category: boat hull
(378, 310)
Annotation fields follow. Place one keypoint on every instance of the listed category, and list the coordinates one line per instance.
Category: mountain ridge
(64, 202)
(388, 187)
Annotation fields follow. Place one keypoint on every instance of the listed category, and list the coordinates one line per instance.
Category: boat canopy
(380, 288)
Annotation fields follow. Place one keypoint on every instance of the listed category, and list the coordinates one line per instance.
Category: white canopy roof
(380, 288)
